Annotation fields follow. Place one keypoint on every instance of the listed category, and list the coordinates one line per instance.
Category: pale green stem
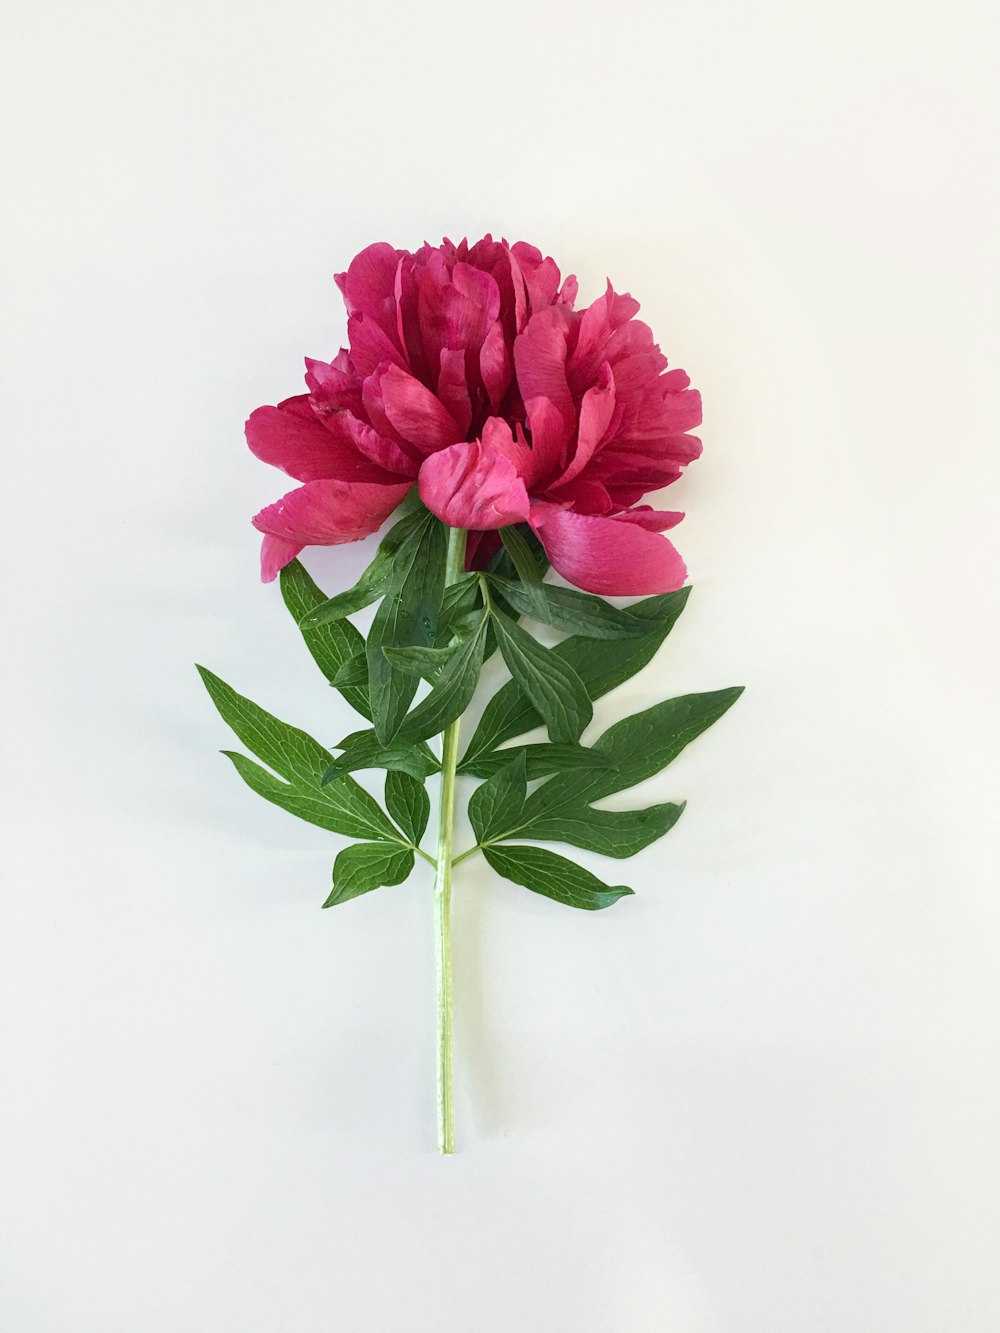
(454, 568)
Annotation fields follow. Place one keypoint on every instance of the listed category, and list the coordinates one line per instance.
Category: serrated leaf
(408, 804)
(552, 685)
(572, 611)
(375, 580)
(617, 833)
(331, 645)
(542, 759)
(601, 664)
(343, 807)
(497, 803)
(547, 873)
(530, 593)
(365, 750)
(354, 671)
(407, 617)
(451, 693)
(367, 866)
(420, 661)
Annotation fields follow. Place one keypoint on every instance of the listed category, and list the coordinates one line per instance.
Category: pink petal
(473, 485)
(541, 276)
(653, 520)
(370, 282)
(304, 448)
(453, 390)
(275, 554)
(596, 411)
(495, 365)
(605, 555)
(415, 413)
(370, 345)
(328, 513)
(540, 360)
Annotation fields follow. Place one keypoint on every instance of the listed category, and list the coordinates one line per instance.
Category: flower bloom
(471, 375)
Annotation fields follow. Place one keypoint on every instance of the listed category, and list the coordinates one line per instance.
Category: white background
(762, 1096)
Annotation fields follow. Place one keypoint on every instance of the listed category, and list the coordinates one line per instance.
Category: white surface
(760, 1097)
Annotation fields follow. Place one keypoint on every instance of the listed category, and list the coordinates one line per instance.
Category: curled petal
(473, 485)
(540, 360)
(596, 411)
(328, 513)
(605, 555)
(275, 554)
(653, 520)
(369, 284)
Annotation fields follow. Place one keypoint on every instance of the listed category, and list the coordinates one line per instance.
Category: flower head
(471, 375)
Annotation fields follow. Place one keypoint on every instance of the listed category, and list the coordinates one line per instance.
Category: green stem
(454, 568)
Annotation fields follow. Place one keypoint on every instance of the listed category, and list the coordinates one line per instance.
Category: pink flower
(470, 374)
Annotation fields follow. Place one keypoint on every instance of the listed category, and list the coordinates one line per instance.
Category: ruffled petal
(473, 485)
(453, 390)
(605, 555)
(328, 513)
(416, 414)
(540, 361)
(369, 285)
(653, 520)
(596, 412)
(304, 448)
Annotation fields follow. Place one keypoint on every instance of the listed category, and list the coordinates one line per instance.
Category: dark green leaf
(420, 661)
(572, 611)
(617, 833)
(636, 748)
(367, 866)
(374, 582)
(407, 617)
(542, 759)
(530, 592)
(459, 602)
(344, 807)
(496, 804)
(601, 664)
(355, 670)
(555, 877)
(451, 693)
(551, 684)
(408, 804)
(331, 644)
(364, 750)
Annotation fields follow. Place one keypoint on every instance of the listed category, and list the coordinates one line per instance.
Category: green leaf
(552, 685)
(343, 807)
(459, 602)
(375, 580)
(408, 804)
(451, 693)
(497, 804)
(617, 833)
(530, 592)
(365, 750)
(407, 617)
(419, 661)
(367, 866)
(354, 671)
(572, 611)
(601, 664)
(542, 759)
(545, 872)
(636, 748)
(331, 645)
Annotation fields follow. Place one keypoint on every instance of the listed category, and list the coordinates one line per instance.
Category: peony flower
(471, 376)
